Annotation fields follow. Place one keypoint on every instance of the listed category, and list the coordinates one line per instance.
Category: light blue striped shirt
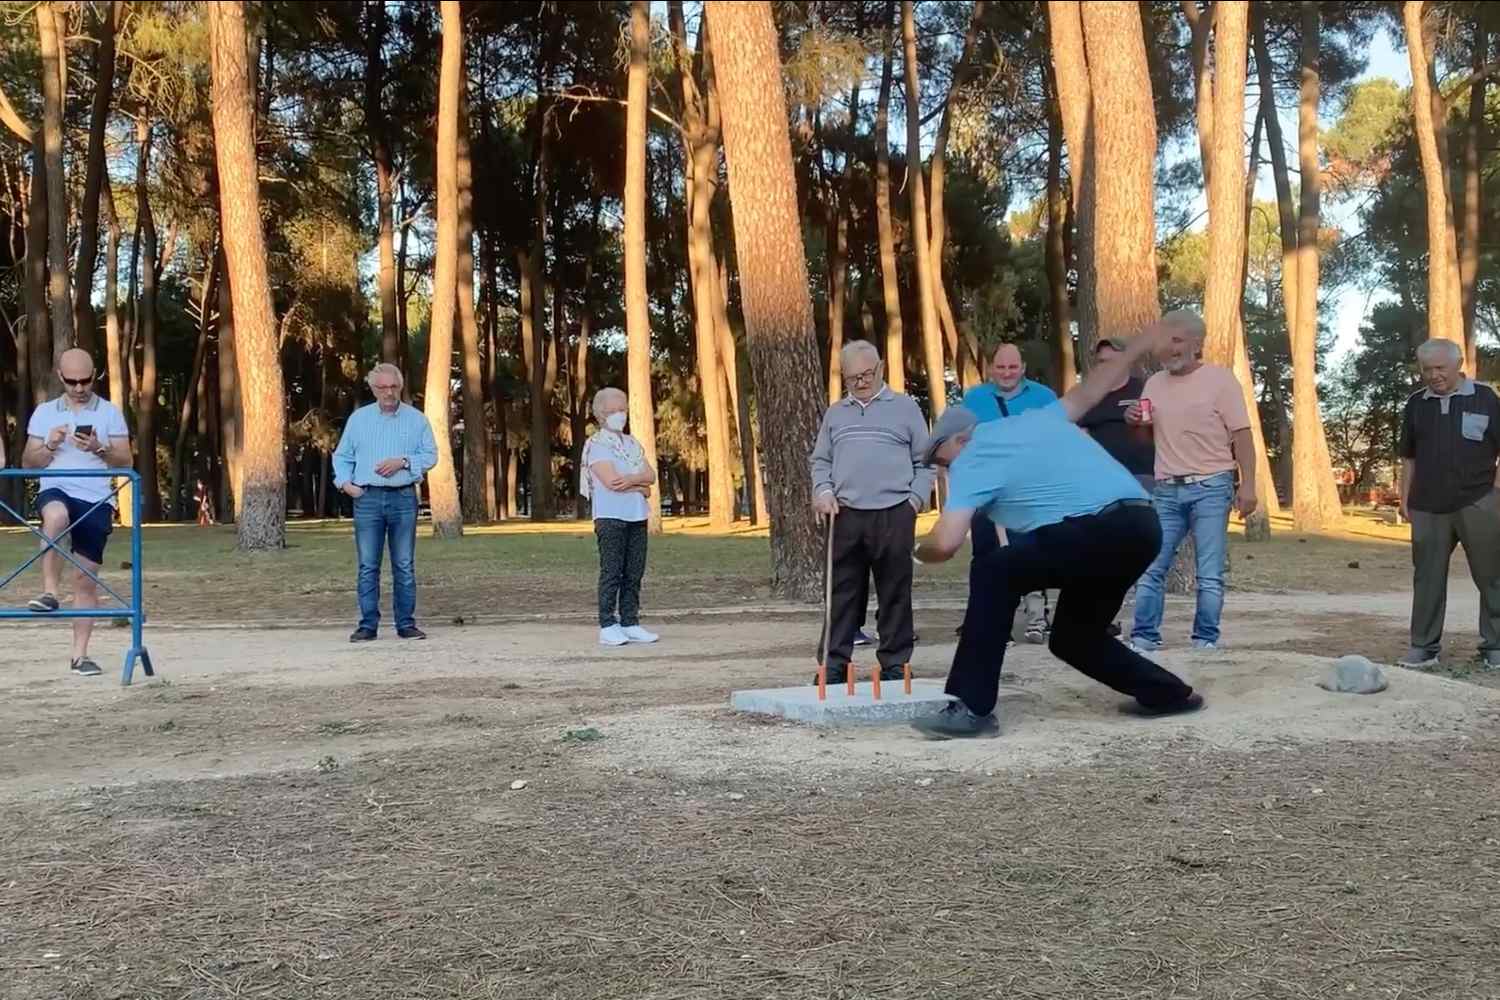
(371, 437)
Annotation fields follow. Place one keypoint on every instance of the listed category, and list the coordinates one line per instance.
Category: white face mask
(615, 421)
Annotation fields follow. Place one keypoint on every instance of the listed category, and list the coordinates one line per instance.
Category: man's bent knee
(54, 519)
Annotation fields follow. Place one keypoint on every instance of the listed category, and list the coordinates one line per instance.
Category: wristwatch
(406, 464)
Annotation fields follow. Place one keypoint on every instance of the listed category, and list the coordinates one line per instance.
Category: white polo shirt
(108, 422)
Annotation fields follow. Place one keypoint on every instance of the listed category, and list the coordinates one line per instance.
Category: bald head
(76, 370)
(1007, 367)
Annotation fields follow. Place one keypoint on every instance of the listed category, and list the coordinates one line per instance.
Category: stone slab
(801, 704)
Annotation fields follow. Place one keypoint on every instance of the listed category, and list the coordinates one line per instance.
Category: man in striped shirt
(386, 448)
(867, 474)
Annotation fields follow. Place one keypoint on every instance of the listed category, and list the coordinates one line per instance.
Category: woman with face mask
(617, 479)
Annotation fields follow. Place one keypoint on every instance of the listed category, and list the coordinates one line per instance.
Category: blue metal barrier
(133, 609)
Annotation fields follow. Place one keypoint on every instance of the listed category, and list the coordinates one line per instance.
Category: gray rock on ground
(1353, 675)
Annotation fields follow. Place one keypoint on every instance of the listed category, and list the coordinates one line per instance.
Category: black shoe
(861, 638)
(410, 632)
(85, 667)
(834, 677)
(1113, 630)
(1191, 703)
(362, 635)
(44, 603)
(892, 674)
(956, 722)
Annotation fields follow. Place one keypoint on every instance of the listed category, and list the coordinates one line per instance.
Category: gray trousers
(1433, 537)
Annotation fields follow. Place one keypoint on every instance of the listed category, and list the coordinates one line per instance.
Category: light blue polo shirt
(1034, 469)
(984, 400)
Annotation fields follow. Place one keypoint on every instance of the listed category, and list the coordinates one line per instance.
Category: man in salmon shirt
(1201, 430)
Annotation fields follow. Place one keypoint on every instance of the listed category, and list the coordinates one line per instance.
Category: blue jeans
(384, 516)
(1203, 509)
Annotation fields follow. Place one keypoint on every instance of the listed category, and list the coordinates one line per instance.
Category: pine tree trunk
(1221, 98)
(59, 288)
(578, 370)
(1074, 104)
(932, 337)
(838, 277)
(442, 484)
(962, 365)
(195, 376)
(1444, 300)
(84, 321)
(730, 360)
(773, 281)
(637, 309)
(114, 359)
(376, 125)
(1120, 166)
(1063, 360)
(261, 498)
(895, 351)
(231, 409)
(146, 402)
(1315, 496)
(38, 328)
(1467, 204)
(477, 490)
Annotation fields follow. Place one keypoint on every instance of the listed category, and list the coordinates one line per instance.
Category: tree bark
(146, 402)
(380, 148)
(1074, 107)
(740, 401)
(114, 360)
(1315, 496)
(84, 320)
(442, 483)
(1223, 91)
(195, 376)
(932, 337)
(261, 499)
(637, 311)
(962, 365)
(59, 288)
(1444, 298)
(773, 282)
(1467, 206)
(38, 328)
(1064, 361)
(701, 127)
(477, 489)
(1120, 167)
(895, 352)
(231, 409)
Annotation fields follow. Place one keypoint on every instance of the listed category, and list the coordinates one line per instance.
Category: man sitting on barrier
(77, 430)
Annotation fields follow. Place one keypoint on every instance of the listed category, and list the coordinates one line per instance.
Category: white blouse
(627, 456)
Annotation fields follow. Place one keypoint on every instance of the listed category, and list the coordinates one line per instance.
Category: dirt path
(286, 815)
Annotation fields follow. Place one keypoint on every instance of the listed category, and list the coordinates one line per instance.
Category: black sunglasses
(78, 381)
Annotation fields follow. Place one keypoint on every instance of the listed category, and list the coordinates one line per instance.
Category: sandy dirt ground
(510, 810)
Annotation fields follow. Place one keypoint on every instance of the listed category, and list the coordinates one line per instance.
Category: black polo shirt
(1131, 446)
(1454, 441)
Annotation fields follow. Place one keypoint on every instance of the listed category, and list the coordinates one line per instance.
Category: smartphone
(83, 430)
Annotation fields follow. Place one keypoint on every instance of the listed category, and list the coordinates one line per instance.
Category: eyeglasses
(78, 382)
(395, 387)
(862, 378)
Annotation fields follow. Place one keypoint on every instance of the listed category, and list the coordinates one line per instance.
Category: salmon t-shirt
(1195, 417)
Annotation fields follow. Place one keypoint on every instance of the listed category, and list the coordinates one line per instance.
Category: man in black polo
(1450, 440)
(1129, 444)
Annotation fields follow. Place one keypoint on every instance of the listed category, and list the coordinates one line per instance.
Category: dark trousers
(1433, 537)
(985, 540)
(622, 563)
(877, 542)
(1091, 561)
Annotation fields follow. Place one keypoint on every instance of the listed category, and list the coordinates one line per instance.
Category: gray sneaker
(85, 667)
(1418, 659)
(1491, 659)
(956, 722)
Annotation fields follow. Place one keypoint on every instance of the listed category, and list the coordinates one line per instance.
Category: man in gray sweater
(867, 474)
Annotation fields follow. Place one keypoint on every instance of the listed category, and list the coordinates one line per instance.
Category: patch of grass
(341, 727)
(589, 735)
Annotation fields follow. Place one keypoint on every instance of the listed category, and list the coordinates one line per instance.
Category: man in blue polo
(386, 449)
(1007, 393)
(1077, 521)
(77, 430)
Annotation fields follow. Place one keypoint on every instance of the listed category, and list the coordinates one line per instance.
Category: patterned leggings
(622, 563)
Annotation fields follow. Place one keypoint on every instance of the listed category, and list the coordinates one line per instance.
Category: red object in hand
(1145, 411)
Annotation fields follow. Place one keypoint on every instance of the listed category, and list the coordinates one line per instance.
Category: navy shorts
(90, 530)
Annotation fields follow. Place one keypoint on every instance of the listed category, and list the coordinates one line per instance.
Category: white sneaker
(634, 633)
(612, 636)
